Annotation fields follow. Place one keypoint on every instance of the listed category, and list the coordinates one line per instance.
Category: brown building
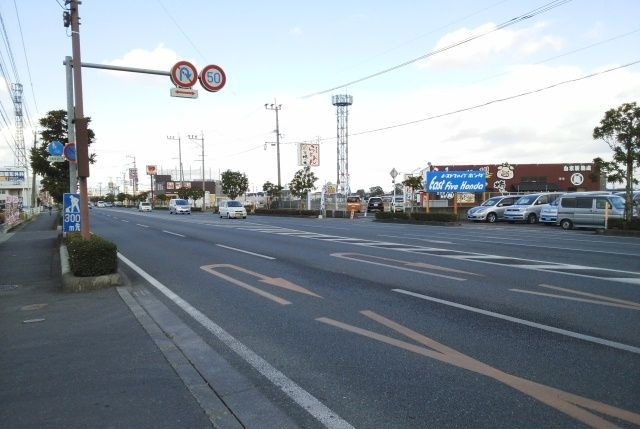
(576, 176)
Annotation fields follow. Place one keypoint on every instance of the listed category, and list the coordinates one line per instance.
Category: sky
(432, 82)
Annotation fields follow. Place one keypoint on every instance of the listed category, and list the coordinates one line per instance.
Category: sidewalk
(77, 360)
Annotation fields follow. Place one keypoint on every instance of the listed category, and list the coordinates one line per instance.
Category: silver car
(528, 207)
(549, 213)
(491, 210)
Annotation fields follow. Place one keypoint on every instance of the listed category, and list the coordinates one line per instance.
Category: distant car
(353, 203)
(101, 204)
(399, 203)
(179, 206)
(375, 204)
(492, 210)
(232, 208)
(144, 206)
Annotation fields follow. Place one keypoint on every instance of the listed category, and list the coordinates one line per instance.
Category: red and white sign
(184, 92)
(212, 78)
(184, 74)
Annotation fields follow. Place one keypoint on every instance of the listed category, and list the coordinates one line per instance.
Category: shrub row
(633, 225)
(93, 257)
(418, 216)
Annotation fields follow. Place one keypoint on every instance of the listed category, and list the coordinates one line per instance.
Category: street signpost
(184, 74)
(212, 78)
(71, 221)
(69, 152)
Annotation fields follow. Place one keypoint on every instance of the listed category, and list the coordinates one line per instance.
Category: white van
(588, 210)
(179, 206)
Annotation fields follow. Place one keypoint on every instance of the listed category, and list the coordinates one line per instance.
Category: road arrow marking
(273, 281)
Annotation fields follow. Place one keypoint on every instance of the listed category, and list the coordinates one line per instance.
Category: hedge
(93, 257)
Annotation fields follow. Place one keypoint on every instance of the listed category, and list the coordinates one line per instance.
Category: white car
(232, 208)
(144, 206)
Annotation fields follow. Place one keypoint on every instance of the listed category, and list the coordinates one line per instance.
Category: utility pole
(201, 139)
(82, 136)
(134, 177)
(277, 108)
(179, 157)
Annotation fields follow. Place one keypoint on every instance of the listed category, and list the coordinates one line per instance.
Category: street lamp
(277, 108)
(179, 157)
(201, 139)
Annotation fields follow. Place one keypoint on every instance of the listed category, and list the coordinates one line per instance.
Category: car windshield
(526, 200)
(234, 204)
(491, 202)
(617, 202)
(145, 204)
(353, 199)
(181, 202)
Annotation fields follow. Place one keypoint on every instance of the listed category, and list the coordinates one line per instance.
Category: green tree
(376, 191)
(303, 181)
(121, 197)
(272, 191)
(360, 192)
(415, 183)
(620, 129)
(55, 175)
(184, 193)
(234, 184)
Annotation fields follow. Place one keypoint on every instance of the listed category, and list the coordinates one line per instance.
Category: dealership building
(523, 178)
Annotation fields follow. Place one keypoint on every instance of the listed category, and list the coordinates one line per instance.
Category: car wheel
(566, 224)
(532, 218)
(244, 217)
(492, 218)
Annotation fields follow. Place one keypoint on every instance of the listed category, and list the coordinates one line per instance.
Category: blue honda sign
(456, 181)
(71, 213)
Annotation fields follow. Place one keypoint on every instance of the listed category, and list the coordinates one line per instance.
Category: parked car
(101, 204)
(144, 206)
(375, 204)
(528, 207)
(179, 206)
(492, 210)
(232, 208)
(354, 203)
(399, 203)
(588, 210)
(549, 213)
(635, 195)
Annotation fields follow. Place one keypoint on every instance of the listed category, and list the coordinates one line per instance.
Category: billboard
(456, 181)
(12, 178)
(309, 154)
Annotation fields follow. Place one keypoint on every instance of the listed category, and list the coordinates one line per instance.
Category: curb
(71, 283)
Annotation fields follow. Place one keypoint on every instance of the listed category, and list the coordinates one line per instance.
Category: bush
(417, 217)
(93, 257)
(633, 225)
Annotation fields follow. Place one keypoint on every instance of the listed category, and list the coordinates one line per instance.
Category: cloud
(296, 31)
(514, 43)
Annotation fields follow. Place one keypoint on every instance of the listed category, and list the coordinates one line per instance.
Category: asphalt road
(355, 323)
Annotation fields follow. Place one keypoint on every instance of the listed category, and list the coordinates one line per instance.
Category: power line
(181, 30)
(498, 100)
(545, 8)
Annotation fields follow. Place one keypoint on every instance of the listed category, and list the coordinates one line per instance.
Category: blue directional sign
(71, 213)
(55, 148)
(456, 181)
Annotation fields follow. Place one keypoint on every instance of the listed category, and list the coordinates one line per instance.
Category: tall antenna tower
(21, 150)
(342, 103)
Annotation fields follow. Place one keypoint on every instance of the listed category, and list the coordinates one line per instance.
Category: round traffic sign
(69, 152)
(55, 148)
(184, 74)
(212, 78)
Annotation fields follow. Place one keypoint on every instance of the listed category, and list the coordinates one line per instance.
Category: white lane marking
(419, 239)
(124, 220)
(245, 251)
(300, 396)
(572, 334)
(144, 226)
(174, 233)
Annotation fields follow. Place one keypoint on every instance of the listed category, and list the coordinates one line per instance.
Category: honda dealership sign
(456, 181)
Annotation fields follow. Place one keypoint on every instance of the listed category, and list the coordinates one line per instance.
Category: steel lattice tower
(342, 103)
(21, 150)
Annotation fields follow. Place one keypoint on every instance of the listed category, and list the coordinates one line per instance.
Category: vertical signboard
(71, 213)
